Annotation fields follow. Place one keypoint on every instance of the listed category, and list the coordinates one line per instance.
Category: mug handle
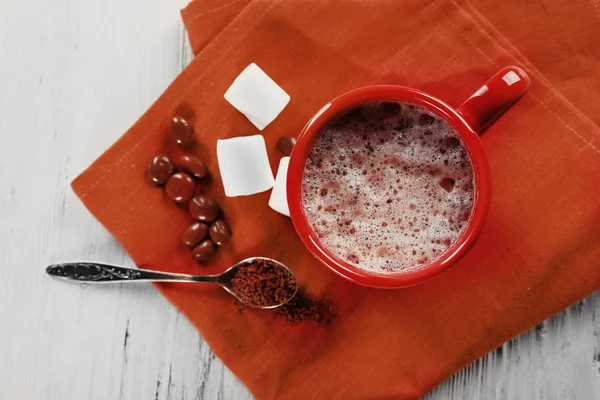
(491, 100)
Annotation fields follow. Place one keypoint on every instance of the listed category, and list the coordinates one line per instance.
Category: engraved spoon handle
(102, 273)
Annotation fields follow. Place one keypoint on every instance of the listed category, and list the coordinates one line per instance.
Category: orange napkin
(539, 249)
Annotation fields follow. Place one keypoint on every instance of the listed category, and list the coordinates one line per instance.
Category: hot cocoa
(388, 187)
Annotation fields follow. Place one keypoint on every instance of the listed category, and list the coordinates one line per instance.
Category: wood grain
(74, 75)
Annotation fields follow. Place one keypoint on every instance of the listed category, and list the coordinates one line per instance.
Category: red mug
(470, 119)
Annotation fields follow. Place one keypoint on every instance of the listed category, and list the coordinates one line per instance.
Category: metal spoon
(88, 272)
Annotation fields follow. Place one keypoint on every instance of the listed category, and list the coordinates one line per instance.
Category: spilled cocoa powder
(299, 309)
(303, 308)
(263, 284)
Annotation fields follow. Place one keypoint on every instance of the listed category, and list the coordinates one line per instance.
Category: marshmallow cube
(257, 96)
(244, 165)
(278, 199)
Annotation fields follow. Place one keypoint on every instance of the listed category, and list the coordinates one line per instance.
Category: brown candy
(192, 165)
(180, 187)
(182, 131)
(285, 144)
(219, 232)
(204, 250)
(194, 234)
(160, 169)
(203, 208)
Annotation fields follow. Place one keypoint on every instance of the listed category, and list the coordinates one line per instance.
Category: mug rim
(472, 143)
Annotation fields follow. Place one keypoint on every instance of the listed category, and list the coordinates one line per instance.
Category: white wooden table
(74, 75)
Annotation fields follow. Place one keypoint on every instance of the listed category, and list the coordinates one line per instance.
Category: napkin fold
(538, 252)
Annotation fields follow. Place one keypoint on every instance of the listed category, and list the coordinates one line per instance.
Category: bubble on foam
(428, 176)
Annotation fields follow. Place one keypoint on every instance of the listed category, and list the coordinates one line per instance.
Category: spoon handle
(102, 273)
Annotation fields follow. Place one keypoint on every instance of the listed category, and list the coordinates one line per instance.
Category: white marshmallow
(257, 96)
(244, 165)
(278, 199)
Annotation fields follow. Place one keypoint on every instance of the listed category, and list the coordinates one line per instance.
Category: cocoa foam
(388, 187)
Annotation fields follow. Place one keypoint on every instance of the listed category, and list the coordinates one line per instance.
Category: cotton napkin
(538, 252)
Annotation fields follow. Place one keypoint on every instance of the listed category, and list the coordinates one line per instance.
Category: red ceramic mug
(469, 120)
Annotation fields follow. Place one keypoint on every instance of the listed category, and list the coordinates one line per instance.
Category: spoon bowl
(275, 289)
(227, 281)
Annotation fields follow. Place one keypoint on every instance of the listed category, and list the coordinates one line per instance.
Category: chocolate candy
(192, 165)
(285, 144)
(194, 234)
(160, 169)
(204, 250)
(180, 187)
(182, 131)
(203, 208)
(219, 232)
